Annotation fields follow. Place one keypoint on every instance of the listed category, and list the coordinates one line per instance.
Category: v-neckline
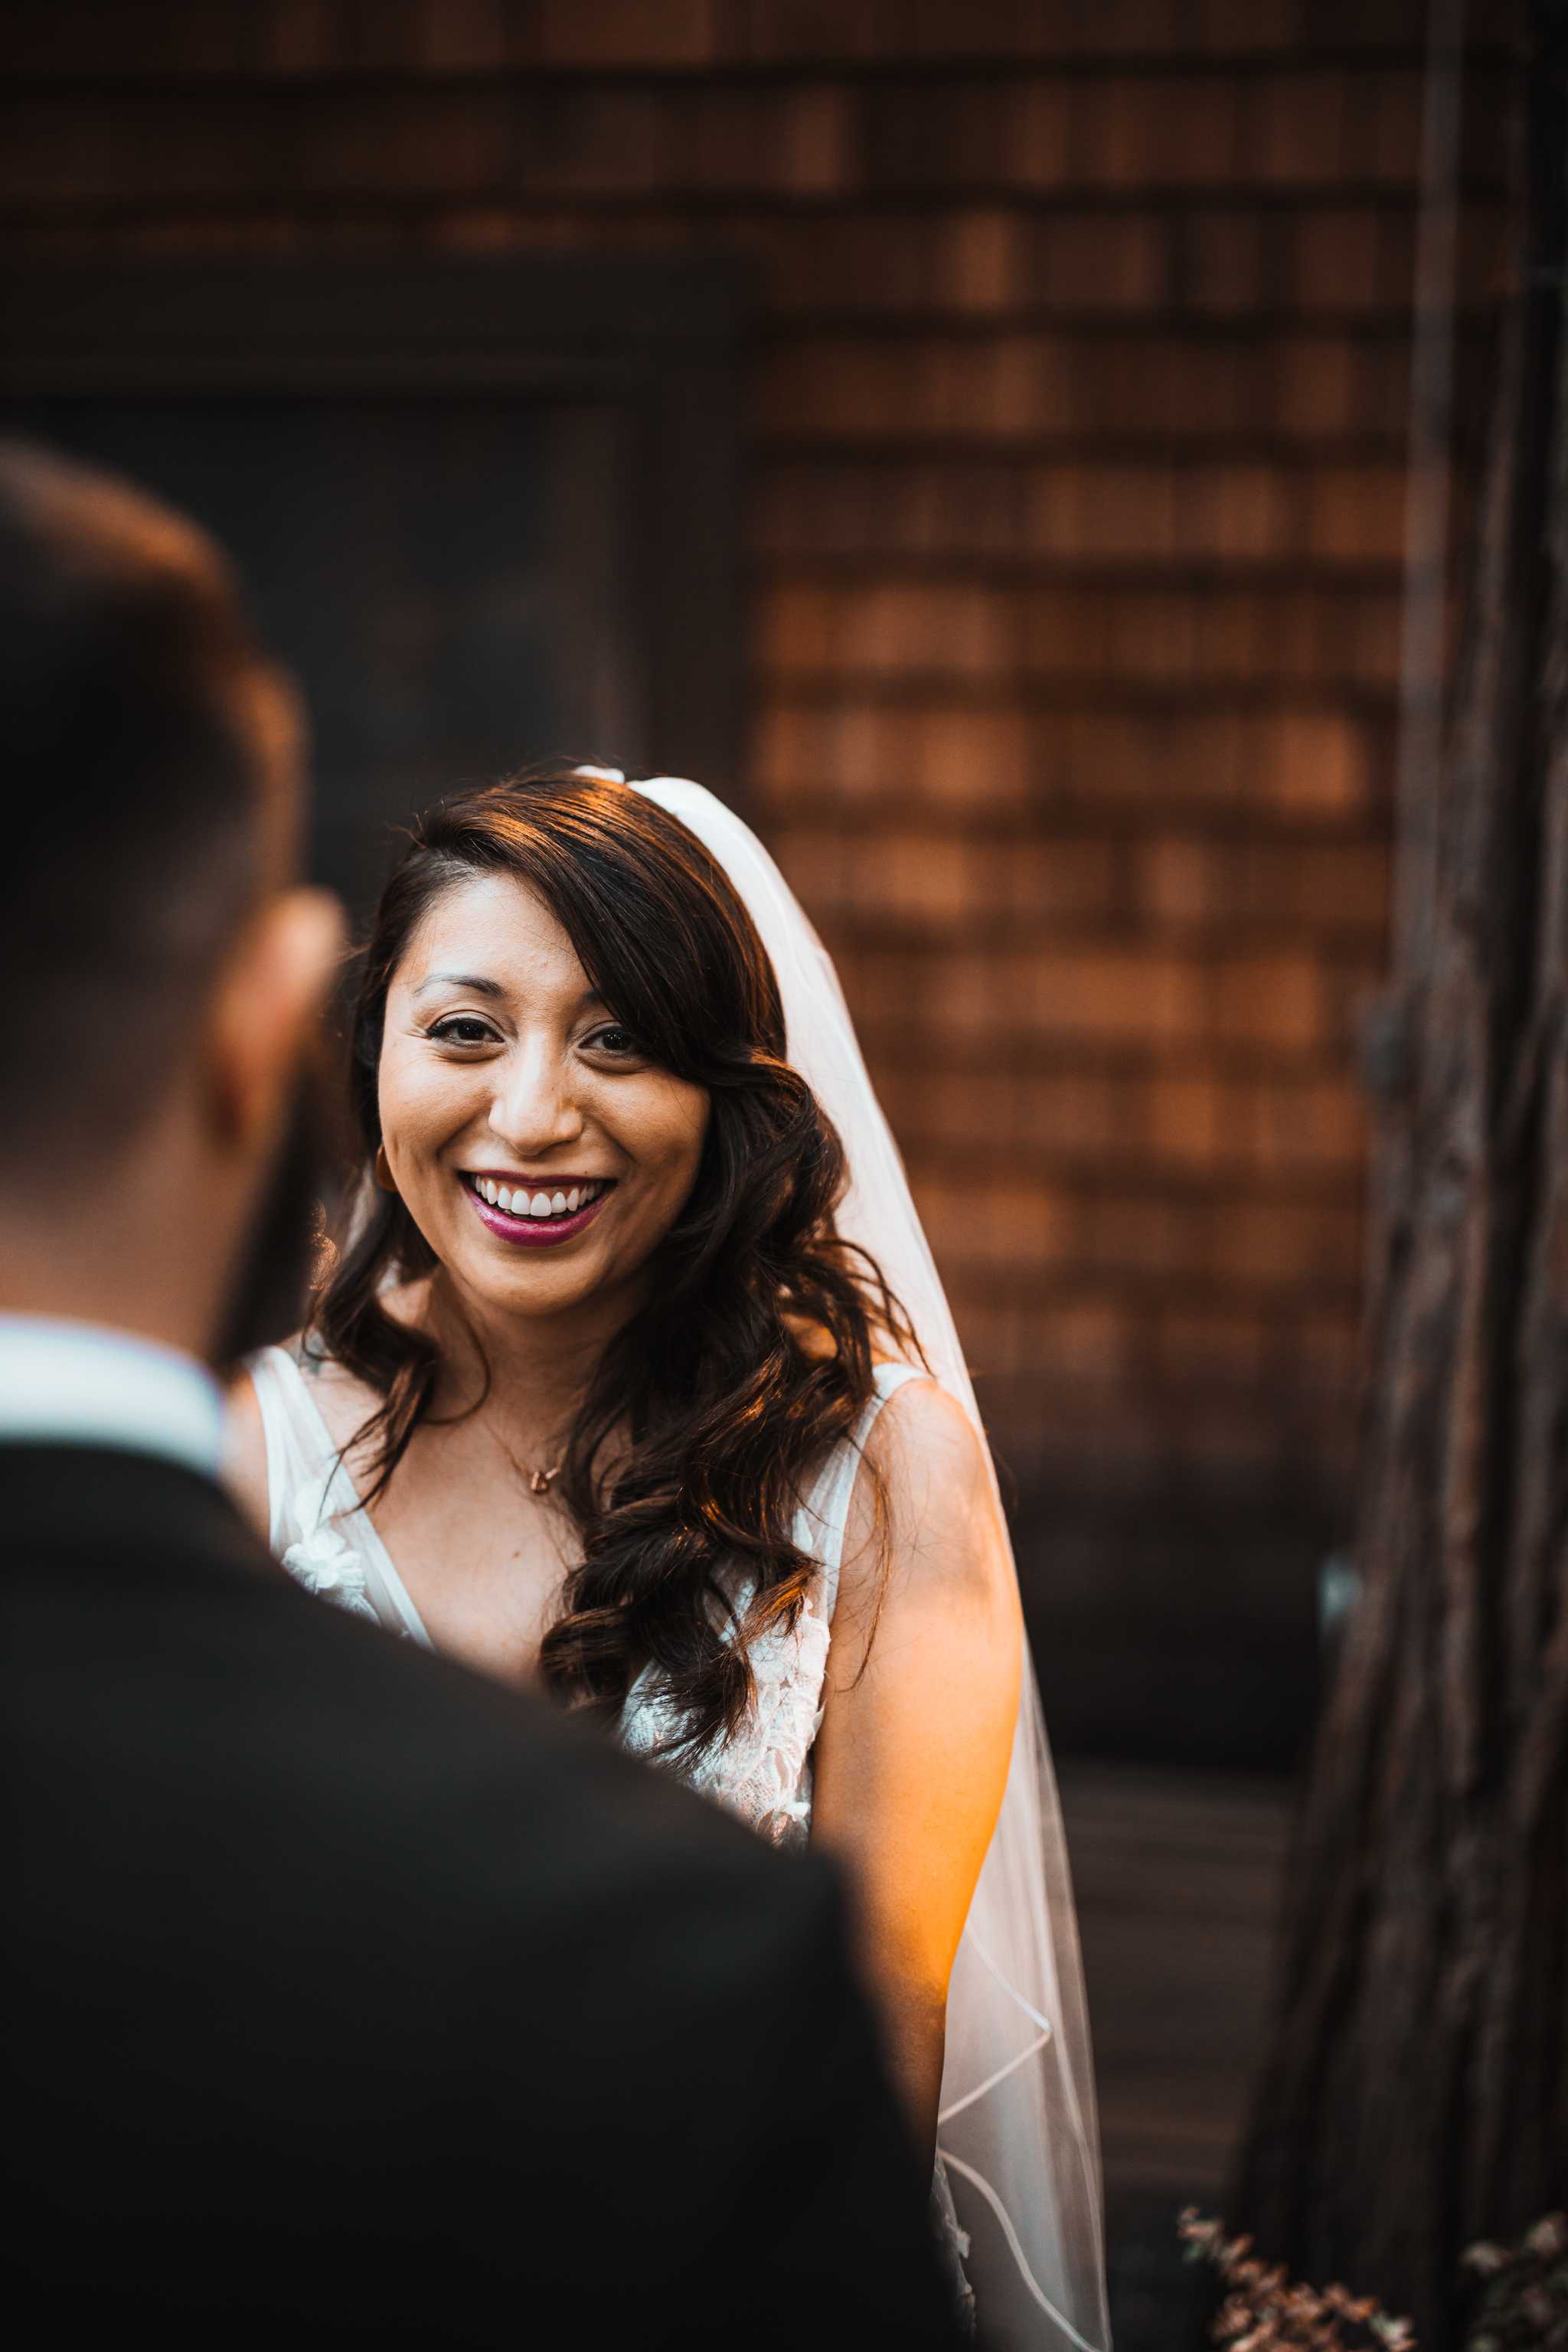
(398, 1592)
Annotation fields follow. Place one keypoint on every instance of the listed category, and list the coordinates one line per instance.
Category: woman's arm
(920, 1709)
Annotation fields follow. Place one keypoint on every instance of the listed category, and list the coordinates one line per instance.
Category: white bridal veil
(1018, 2129)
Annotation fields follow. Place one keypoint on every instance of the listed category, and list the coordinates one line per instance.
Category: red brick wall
(1077, 411)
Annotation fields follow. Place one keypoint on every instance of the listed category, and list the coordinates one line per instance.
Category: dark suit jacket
(350, 1996)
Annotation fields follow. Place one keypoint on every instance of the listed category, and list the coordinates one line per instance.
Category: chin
(527, 1288)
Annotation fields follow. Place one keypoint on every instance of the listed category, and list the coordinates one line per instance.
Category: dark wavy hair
(754, 1354)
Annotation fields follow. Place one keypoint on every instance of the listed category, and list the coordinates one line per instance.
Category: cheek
(420, 1103)
(671, 1125)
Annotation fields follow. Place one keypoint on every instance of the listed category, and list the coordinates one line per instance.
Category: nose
(534, 1109)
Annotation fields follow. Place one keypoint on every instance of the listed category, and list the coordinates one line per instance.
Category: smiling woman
(561, 994)
(600, 1395)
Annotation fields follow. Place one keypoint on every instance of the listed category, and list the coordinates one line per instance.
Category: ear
(269, 995)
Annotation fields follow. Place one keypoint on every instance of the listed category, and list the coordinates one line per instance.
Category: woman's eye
(614, 1040)
(462, 1029)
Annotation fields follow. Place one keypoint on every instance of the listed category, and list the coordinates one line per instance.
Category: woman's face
(542, 1156)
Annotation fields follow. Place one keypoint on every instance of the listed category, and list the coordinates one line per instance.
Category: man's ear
(270, 993)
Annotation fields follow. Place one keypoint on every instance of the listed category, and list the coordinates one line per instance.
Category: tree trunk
(1416, 2093)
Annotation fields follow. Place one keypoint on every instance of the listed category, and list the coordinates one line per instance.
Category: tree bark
(1416, 2093)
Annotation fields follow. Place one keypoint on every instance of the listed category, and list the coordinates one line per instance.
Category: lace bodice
(762, 1772)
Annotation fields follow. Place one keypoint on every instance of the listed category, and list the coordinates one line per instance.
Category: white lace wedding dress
(763, 1773)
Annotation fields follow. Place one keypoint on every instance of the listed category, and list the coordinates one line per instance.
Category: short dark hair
(144, 737)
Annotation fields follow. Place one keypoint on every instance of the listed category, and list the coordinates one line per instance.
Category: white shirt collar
(68, 1383)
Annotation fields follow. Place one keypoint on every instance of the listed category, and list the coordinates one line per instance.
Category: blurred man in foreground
(284, 1897)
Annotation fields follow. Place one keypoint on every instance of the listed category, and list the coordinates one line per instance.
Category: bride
(636, 1381)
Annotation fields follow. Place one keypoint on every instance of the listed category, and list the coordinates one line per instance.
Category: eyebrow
(492, 988)
(460, 980)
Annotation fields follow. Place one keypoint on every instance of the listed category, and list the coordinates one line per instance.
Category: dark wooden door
(442, 575)
(487, 512)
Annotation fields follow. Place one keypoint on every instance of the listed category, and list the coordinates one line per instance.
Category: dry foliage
(1265, 2310)
(1523, 2303)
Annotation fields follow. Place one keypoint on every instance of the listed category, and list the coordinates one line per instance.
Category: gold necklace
(540, 1482)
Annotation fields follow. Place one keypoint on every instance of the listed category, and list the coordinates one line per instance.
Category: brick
(1224, 262)
(892, 630)
(466, 36)
(45, 42)
(1328, 387)
(917, 136)
(1089, 995)
(845, 387)
(1286, 1128)
(622, 33)
(1318, 381)
(932, 1102)
(1308, 767)
(1250, 27)
(944, 882)
(1221, 885)
(1325, 1349)
(1294, 132)
(1269, 1128)
(299, 37)
(413, 142)
(1240, 513)
(1074, 1113)
(1105, 994)
(1384, 126)
(993, 1225)
(1139, 1235)
(1283, 1245)
(1350, 257)
(1317, 765)
(1089, 261)
(972, 260)
(1035, 133)
(1154, 131)
(818, 31)
(1214, 1347)
(1356, 514)
(1187, 1121)
(969, 759)
(1084, 1341)
(1275, 1001)
(1018, 385)
(1103, 513)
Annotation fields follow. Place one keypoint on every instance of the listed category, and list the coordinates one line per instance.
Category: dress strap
(293, 1434)
(823, 1519)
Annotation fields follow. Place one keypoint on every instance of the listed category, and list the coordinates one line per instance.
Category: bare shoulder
(923, 1439)
(928, 1509)
(344, 1403)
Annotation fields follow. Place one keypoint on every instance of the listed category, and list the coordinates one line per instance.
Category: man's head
(160, 973)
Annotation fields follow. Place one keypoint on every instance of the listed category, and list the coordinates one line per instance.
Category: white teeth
(520, 1203)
